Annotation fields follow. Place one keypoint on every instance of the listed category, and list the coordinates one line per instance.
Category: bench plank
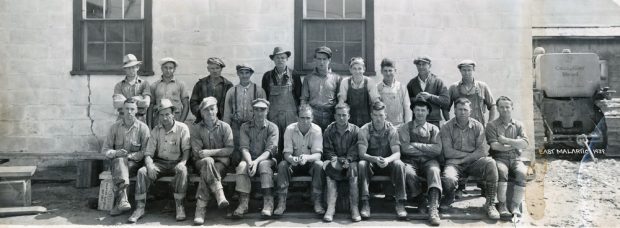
(15, 211)
(17, 171)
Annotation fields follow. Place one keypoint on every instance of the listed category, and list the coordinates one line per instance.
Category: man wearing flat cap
(475, 91)
(238, 104)
(431, 88)
(214, 85)
(258, 144)
(379, 152)
(320, 88)
(125, 146)
(420, 148)
(166, 154)
(133, 86)
(170, 88)
(283, 90)
(212, 145)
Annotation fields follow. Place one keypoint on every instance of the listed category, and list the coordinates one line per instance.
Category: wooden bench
(15, 185)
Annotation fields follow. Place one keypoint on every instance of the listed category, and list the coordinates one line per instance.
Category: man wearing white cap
(212, 145)
(475, 91)
(133, 86)
(170, 88)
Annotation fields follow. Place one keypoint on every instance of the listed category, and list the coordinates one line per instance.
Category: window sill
(107, 72)
(342, 73)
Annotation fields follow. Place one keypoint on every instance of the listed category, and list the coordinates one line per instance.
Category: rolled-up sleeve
(288, 139)
(362, 137)
(271, 144)
(317, 142)
(244, 137)
(151, 146)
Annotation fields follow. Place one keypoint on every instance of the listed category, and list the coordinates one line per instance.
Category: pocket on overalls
(135, 146)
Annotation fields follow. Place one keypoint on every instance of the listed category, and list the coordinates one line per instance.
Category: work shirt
(132, 138)
(169, 145)
(320, 91)
(219, 136)
(511, 130)
(379, 142)
(139, 88)
(439, 99)
(297, 143)
(173, 90)
(341, 144)
(258, 138)
(479, 95)
(425, 133)
(396, 100)
(469, 138)
(239, 102)
(209, 87)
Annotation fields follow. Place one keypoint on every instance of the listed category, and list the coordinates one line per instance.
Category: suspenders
(235, 100)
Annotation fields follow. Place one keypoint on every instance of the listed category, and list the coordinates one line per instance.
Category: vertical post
(87, 173)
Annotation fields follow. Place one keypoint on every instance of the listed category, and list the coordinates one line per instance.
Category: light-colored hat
(422, 59)
(118, 100)
(279, 50)
(260, 103)
(164, 104)
(216, 61)
(168, 59)
(466, 62)
(206, 102)
(244, 67)
(130, 60)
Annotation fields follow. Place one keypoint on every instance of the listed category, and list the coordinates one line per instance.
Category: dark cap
(325, 50)
(422, 59)
(378, 106)
(419, 100)
(244, 67)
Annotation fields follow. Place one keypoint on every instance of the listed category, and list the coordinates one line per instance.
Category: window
(345, 26)
(106, 30)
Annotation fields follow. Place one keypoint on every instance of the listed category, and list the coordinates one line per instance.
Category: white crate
(106, 192)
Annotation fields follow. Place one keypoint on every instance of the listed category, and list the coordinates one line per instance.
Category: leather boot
(180, 209)
(267, 203)
(447, 200)
(121, 204)
(490, 203)
(401, 213)
(355, 211)
(221, 199)
(318, 204)
(199, 216)
(365, 211)
(138, 213)
(281, 205)
(332, 195)
(501, 197)
(244, 199)
(517, 198)
(434, 218)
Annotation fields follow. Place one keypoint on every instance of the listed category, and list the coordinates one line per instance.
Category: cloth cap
(206, 102)
(260, 103)
(244, 67)
(216, 61)
(422, 59)
(378, 106)
(324, 49)
(168, 59)
(466, 62)
(164, 104)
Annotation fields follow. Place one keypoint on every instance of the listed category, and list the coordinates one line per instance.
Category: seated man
(303, 145)
(507, 137)
(212, 145)
(420, 145)
(258, 145)
(465, 152)
(379, 151)
(166, 154)
(341, 154)
(125, 147)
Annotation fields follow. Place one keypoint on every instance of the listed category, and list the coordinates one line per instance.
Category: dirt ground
(563, 194)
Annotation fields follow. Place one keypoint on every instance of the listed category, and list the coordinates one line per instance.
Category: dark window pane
(353, 50)
(337, 51)
(334, 31)
(133, 31)
(94, 31)
(135, 49)
(114, 54)
(334, 9)
(353, 8)
(114, 9)
(114, 31)
(314, 9)
(354, 31)
(94, 8)
(315, 31)
(133, 8)
(94, 55)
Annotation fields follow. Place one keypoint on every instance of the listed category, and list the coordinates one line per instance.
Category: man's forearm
(314, 157)
(428, 149)
(393, 157)
(262, 157)
(222, 152)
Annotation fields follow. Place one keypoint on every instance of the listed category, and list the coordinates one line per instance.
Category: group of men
(327, 127)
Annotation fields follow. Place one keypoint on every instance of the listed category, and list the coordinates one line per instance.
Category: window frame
(78, 45)
(368, 46)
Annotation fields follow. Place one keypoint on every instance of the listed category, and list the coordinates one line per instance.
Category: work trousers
(396, 171)
(286, 171)
(179, 182)
(264, 169)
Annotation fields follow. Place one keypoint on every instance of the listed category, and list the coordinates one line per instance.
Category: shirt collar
(204, 124)
(394, 83)
(138, 80)
(461, 82)
(423, 125)
(173, 129)
(275, 69)
(219, 79)
(470, 123)
(386, 125)
(245, 87)
(316, 72)
(171, 80)
(511, 122)
(262, 124)
(135, 123)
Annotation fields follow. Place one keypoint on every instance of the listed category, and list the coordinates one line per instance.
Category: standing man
(356, 92)
(124, 146)
(303, 146)
(212, 145)
(379, 151)
(477, 92)
(320, 88)
(507, 138)
(465, 153)
(170, 88)
(393, 95)
(166, 154)
(214, 85)
(430, 88)
(238, 104)
(283, 90)
(258, 144)
(420, 146)
(341, 154)
(133, 86)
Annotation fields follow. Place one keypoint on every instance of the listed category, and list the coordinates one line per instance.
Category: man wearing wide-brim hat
(283, 90)
(431, 88)
(134, 86)
(168, 87)
(166, 153)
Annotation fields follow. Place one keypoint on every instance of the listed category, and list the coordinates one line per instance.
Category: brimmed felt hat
(279, 50)
(260, 103)
(244, 67)
(206, 102)
(216, 61)
(130, 60)
(325, 50)
(420, 101)
(422, 59)
(168, 59)
(378, 106)
(466, 62)
(164, 104)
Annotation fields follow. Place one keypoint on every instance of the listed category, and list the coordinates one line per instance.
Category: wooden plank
(17, 171)
(61, 156)
(87, 173)
(15, 211)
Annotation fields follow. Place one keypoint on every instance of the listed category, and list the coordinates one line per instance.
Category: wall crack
(88, 110)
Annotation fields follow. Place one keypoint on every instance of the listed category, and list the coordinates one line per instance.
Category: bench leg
(87, 173)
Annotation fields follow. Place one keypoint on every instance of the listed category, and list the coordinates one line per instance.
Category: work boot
(267, 203)
(281, 205)
(501, 197)
(447, 201)
(199, 216)
(244, 199)
(122, 204)
(400, 210)
(180, 209)
(355, 211)
(421, 202)
(365, 211)
(138, 213)
(517, 198)
(490, 203)
(331, 200)
(434, 218)
(318, 204)
(220, 198)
